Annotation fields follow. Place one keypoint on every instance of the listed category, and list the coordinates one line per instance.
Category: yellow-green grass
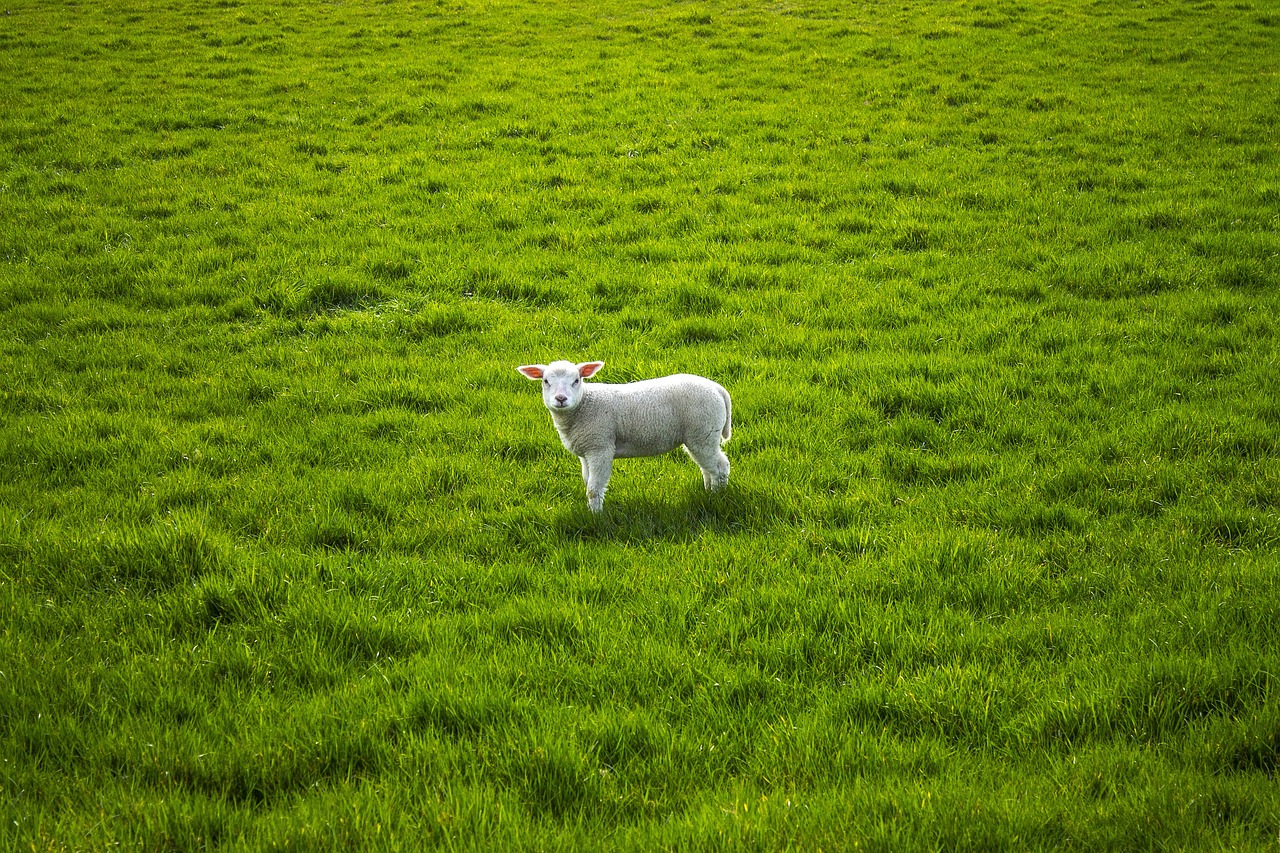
(290, 556)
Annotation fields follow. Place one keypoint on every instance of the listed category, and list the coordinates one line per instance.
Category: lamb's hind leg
(712, 460)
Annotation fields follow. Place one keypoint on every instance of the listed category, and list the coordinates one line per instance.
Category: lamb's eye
(546, 382)
(576, 381)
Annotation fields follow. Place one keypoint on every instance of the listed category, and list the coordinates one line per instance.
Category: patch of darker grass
(466, 714)
(338, 289)
(913, 239)
(1246, 275)
(1254, 752)
(1237, 528)
(437, 321)
(915, 468)
(693, 299)
(698, 331)
(393, 269)
(150, 558)
(920, 399)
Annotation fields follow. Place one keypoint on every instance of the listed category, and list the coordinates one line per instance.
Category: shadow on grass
(735, 510)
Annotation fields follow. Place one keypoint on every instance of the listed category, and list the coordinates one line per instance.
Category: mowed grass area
(291, 557)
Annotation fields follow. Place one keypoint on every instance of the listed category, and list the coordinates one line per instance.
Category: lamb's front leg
(595, 473)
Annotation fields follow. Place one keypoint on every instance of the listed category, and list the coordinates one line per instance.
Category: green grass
(291, 557)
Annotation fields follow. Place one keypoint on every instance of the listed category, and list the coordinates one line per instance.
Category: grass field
(291, 557)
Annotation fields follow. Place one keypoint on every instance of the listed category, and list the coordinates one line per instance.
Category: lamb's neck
(563, 419)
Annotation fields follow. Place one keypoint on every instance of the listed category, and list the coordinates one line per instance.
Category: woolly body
(601, 422)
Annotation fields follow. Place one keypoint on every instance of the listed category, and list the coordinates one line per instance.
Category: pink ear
(533, 371)
(588, 369)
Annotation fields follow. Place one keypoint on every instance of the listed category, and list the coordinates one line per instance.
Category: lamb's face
(562, 386)
(562, 382)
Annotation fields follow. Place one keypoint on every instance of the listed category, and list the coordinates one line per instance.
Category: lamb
(600, 422)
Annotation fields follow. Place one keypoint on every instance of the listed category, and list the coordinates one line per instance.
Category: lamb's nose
(561, 399)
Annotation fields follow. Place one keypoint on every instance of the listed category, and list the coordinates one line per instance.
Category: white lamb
(600, 422)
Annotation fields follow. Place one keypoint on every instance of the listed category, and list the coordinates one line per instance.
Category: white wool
(601, 422)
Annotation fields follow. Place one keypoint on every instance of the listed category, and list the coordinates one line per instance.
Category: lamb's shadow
(737, 509)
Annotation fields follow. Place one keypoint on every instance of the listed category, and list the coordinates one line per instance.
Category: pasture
(292, 558)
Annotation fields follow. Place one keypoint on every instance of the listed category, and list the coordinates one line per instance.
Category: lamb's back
(656, 415)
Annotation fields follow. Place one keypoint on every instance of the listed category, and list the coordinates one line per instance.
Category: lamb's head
(561, 382)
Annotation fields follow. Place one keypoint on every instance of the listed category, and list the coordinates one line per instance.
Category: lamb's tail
(727, 432)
